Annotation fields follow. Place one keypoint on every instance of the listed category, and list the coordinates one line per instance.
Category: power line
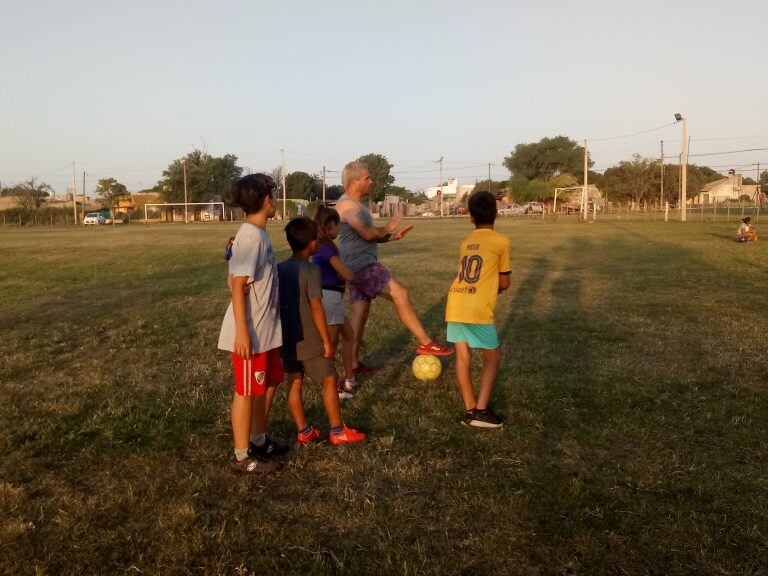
(633, 134)
(728, 152)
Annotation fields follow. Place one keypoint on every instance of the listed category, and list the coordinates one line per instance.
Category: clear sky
(123, 88)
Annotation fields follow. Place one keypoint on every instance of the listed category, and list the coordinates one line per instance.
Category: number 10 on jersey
(470, 269)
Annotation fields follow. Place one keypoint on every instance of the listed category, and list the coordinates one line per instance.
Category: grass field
(634, 379)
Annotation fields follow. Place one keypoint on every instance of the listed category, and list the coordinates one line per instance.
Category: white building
(730, 188)
(452, 190)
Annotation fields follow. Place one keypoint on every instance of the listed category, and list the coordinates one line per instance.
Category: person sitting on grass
(307, 347)
(746, 232)
(335, 275)
(250, 330)
(483, 273)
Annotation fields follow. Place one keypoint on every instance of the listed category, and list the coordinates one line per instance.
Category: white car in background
(511, 210)
(427, 215)
(532, 208)
(94, 218)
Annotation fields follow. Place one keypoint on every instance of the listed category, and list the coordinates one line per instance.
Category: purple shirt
(322, 257)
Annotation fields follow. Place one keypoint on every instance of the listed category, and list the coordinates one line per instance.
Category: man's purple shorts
(368, 282)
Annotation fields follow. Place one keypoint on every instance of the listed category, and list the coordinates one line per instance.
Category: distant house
(729, 188)
(452, 191)
(451, 196)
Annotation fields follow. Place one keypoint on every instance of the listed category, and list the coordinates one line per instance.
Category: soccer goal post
(216, 211)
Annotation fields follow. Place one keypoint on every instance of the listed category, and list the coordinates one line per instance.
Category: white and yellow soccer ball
(427, 367)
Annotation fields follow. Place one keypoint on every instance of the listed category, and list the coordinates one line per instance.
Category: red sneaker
(434, 348)
(346, 436)
(363, 369)
(312, 436)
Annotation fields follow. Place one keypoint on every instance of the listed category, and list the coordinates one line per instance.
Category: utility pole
(489, 177)
(661, 192)
(683, 177)
(584, 202)
(323, 185)
(282, 168)
(441, 185)
(757, 194)
(186, 201)
(83, 195)
(679, 176)
(74, 193)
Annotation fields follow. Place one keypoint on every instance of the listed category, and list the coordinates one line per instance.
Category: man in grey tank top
(358, 248)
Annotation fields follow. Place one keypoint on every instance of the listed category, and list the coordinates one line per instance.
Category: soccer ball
(427, 367)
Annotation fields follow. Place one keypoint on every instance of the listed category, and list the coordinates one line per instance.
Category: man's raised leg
(398, 295)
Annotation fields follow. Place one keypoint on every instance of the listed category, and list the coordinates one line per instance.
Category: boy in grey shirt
(251, 327)
(307, 347)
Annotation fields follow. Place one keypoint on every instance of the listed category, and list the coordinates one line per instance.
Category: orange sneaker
(346, 436)
(434, 348)
(312, 436)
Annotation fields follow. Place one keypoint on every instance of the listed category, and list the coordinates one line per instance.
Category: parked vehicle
(427, 215)
(532, 208)
(511, 210)
(94, 218)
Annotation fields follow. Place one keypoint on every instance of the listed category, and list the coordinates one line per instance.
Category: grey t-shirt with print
(252, 256)
(356, 252)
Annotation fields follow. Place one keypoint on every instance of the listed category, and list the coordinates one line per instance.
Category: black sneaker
(254, 465)
(269, 449)
(485, 419)
(466, 417)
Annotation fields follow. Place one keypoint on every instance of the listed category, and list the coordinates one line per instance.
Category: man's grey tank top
(356, 252)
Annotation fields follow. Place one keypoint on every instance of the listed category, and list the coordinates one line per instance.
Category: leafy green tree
(303, 185)
(564, 181)
(207, 176)
(524, 190)
(30, 194)
(632, 179)
(110, 192)
(334, 192)
(498, 188)
(595, 179)
(547, 158)
(379, 169)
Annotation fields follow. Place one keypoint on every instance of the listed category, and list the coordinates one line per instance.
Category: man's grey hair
(351, 173)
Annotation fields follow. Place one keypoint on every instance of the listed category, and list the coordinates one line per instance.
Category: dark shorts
(368, 282)
(316, 368)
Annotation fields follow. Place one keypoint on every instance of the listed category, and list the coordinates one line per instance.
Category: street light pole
(684, 174)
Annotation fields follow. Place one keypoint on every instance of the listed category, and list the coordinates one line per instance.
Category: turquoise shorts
(475, 335)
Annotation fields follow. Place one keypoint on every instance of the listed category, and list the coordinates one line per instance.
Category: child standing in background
(335, 275)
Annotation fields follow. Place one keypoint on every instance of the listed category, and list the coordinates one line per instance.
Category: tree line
(536, 170)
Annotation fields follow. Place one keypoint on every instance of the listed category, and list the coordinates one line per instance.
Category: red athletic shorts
(253, 375)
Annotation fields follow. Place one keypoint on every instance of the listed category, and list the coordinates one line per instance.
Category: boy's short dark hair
(482, 207)
(251, 190)
(300, 232)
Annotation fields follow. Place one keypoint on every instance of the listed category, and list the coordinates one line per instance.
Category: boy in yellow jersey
(484, 270)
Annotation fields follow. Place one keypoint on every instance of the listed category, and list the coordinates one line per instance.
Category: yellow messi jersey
(484, 254)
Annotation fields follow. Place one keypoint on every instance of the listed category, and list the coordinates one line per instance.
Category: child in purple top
(334, 277)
